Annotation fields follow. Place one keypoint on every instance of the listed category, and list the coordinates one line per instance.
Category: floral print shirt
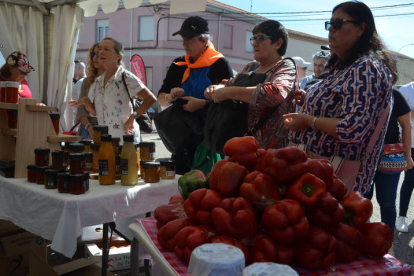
(357, 96)
(112, 103)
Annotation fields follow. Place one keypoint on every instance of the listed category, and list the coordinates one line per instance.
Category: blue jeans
(386, 192)
(406, 190)
(83, 132)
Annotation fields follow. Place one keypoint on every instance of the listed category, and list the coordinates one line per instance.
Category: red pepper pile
(276, 206)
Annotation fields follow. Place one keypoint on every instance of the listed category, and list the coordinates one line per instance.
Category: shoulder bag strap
(126, 87)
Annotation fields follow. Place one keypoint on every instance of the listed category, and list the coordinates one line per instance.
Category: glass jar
(99, 130)
(51, 179)
(128, 163)
(77, 163)
(55, 117)
(60, 160)
(147, 151)
(87, 143)
(42, 156)
(76, 147)
(31, 173)
(88, 160)
(12, 91)
(77, 183)
(95, 151)
(40, 174)
(63, 182)
(12, 118)
(151, 172)
(106, 161)
(167, 168)
(3, 91)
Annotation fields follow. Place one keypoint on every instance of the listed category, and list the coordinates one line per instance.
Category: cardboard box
(15, 250)
(119, 258)
(7, 226)
(79, 267)
(94, 233)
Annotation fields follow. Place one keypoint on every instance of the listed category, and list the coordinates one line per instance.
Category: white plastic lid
(269, 269)
(216, 259)
(13, 84)
(3, 84)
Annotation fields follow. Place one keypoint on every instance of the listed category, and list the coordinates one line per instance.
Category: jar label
(50, 182)
(170, 173)
(152, 155)
(66, 185)
(46, 158)
(89, 165)
(64, 162)
(103, 167)
(124, 166)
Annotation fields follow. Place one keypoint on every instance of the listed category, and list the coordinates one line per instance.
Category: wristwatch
(135, 114)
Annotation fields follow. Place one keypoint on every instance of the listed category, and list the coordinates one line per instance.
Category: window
(146, 28)
(249, 47)
(102, 29)
(148, 74)
(228, 37)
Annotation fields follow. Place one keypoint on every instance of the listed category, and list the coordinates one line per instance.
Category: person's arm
(405, 123)
(172, 80)
(299, 122)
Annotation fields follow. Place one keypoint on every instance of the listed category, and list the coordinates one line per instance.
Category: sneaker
(401, 224)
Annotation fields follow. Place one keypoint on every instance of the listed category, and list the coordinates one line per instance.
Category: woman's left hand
(410, 164)
(129, 125)
(193, 104)
(297, 122)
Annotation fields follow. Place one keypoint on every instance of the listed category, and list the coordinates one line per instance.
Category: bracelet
(88, 125)
(167, 100)
(313, 124)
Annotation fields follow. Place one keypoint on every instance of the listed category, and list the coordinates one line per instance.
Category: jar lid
(42, 168)
(95, 147)
(150, 165)
(63, 174)
(116, 140)
(31, 167)
(51, 172)
(13, 84)
(42, 151)
(54, 116)
(147, 145)
(166, 162)
(60, 153)
(12, 111)
(76, 147)
(128, 138)
(77, 177)
(101, 128)
(86, 142)
(106, 137)
(3, 84)
(77, 156)
(88, 153)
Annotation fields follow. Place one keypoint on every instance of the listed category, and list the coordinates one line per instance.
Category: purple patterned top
(357, 95)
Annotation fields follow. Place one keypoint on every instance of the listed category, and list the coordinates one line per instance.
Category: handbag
(204, 159)
(392, 159)
(144, 120)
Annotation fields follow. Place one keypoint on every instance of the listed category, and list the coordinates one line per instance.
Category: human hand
(176, 92)
(209, 91)
(300, 97)
(82, 101)
(192, 104)
(221, 94)
(40, 104)
(297, 122)
(129, 125)
(410, 164)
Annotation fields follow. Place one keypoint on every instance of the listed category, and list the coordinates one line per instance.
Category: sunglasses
(259, 39)
(92, 54)
(337, 23)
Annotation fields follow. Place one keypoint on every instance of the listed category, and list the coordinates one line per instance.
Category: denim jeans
(406, 190)
(386, 192)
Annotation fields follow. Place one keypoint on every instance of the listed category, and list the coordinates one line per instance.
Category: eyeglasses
(259, 39)
(92, 54)
(337, 23)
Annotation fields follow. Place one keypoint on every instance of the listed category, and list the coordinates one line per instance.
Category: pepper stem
(308, 189)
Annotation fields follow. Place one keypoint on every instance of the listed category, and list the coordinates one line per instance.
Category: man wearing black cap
(189, 75)
(320, 60)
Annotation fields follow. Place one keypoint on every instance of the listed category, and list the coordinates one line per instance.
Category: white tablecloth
(61, 217)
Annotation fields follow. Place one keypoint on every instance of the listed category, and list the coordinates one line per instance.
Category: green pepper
(191, 181)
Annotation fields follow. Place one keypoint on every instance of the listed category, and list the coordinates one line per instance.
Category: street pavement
(403, 242)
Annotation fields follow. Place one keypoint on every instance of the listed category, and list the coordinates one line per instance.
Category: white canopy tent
(46, 31)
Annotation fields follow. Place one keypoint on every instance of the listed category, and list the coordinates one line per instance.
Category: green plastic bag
(204, 159)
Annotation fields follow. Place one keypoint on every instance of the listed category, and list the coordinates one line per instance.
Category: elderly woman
(266, 86)
(346, 114)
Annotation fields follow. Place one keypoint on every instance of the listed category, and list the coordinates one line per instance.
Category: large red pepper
(316, 250)
(265, 249)
(284, 221)
(260, 188)
(283, 164)
(349, 241)
(358, 209)
(242, 150)
(187, 239)
(235, 217)
(199, 204)
(227, 177)
(376, 239)
(307, 189)
(166, 234)
(176, 199)
(230, 241)
(338, 189)
(327, 212)
(168, 212)
(322, 169)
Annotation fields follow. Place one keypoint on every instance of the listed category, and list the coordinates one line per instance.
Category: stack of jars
(9, 92)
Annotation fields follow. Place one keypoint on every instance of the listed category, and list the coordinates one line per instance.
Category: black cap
(193, 26)
(325, 47)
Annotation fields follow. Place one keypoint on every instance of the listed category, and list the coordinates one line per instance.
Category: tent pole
(46, 24)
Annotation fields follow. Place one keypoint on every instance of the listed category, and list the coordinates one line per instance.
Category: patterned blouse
(112, 103)
(357, 96)
(277, 90)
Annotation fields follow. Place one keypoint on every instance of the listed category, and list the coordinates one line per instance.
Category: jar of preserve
(77, 183)
(129, 167)
(55, 117)
(95, 151)
(51, 179)
(147, 151)
(60, 160)
(12, 118)
(3, 91)
(77, 163)
(88, 160)
(41, 175)
(87, 143)
(86, 181)
(151, 172)
(106, 161)
(31, 173)
(99, 130)
(12, 91)
(167, 168)
(76, 147)
(63, 182)
(42, 156)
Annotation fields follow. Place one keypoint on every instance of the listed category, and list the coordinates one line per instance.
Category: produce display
(276, 206)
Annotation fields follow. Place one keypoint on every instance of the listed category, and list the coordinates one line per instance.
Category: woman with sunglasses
(86, 108)
(346, 114)
(264, 85)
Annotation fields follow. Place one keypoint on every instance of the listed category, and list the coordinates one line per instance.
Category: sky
(396, 31)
